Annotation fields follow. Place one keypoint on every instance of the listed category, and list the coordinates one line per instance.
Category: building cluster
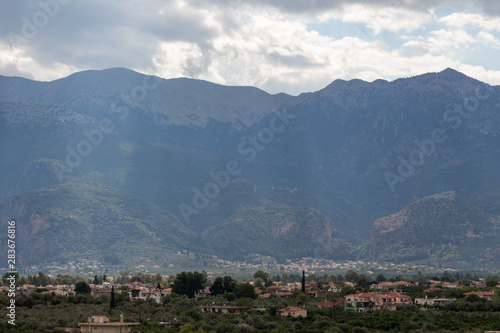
(390, 296)
(382, 296)
(61, 290)
(135, 290)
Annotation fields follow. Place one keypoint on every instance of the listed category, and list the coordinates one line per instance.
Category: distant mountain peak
(449, 70)
(347, 83)
(115, 73)
(452, 73)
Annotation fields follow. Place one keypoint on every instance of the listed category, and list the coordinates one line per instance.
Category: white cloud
(450, 40)
(479, 73)
(391, 18)
(466, 19)
(266, 44)
(488, 39)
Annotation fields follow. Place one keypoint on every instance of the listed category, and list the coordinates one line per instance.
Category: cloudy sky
(287, 46)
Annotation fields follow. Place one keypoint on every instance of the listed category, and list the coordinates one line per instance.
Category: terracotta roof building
(482, 294)
(101, 324)
(292, 311)
(367, 302)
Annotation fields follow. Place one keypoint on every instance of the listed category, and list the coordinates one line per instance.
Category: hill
(77, 220)
(438, 228)
(278, 231)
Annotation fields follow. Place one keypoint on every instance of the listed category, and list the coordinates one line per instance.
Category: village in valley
(186, 260)
(309, 299)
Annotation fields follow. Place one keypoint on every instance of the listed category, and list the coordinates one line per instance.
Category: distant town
(216, 266)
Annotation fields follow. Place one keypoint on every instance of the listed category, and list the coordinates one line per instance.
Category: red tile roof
(291, 308)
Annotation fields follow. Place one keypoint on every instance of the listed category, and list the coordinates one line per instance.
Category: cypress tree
(303, 281)
(112, 299)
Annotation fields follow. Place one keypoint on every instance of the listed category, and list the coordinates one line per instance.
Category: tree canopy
(243, 289)
(352, 276)
(82, 287)
(261, 274)
(222, 285)
(188, 283)
(491, 282)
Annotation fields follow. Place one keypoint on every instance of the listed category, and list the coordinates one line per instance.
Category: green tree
(82, 287)
(217, 287)
(465, 282)
(188, 283)
(124, 277)
(112, 299)
(347, 291)
(222, 285)
(258, 282)
(23, 280)
(229, 284)
(332, 278)
(231, 296)
(352, 276)
(43, 280)
(65, 279)
(301, 299)
(303, 281)
(190, 328)
(244, 289)
(380, 278)
(158, 279)
(491, 282)
(260, 273)
(139, 277)
(363, 283)
(473, 298)
(284, 278)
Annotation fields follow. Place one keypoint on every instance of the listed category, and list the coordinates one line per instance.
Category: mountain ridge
(324, 152)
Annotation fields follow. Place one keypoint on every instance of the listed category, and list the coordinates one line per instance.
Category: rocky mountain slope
(89, 220)
(440, 227)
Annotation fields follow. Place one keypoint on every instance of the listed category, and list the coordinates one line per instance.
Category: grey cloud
(11, 69)
(102, 34)
(195, 67)
(490, 7)
(314, 7)
(11, 14)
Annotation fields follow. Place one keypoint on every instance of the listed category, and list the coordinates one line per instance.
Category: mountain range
(117, 163)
